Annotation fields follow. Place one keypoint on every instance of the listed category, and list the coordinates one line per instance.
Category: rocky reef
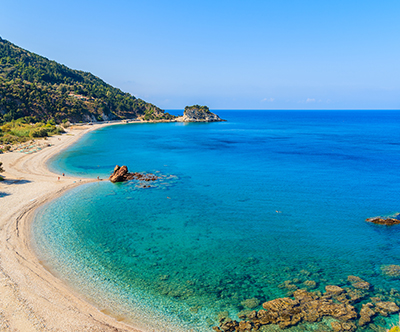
(338, 309)
(388, 221)
(121, 174)
(391, 271)
(197, 113)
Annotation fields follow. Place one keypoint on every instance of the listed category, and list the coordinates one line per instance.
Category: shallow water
(242, 206)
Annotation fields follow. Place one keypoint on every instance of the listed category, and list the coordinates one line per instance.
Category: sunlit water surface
(241, 206)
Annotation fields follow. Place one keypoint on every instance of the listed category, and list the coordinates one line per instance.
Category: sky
(256, 54)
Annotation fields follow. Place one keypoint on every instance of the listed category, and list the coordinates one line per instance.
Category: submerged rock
(339, 327)
(336, 290)
(366, 313)
(362, 285)
(356, 295)
(250, 303)
(385, 308)
(306, 307)
(310, 284)
(334, 306)
(354, 279)
(392, 270)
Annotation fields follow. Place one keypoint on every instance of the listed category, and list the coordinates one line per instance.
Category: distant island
(197, 113)
(40, 97)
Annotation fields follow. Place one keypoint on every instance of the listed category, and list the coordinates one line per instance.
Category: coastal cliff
(197, 113)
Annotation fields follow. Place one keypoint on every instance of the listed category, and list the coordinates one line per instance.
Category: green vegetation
(204, 109)
(31, 85)
(24, 129)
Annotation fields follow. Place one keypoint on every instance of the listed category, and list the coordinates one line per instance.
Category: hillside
(31, 85)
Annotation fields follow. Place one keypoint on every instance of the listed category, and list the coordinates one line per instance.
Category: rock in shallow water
(336, 290)
(250, 303)
(389, 221)
(121, 174)
(365, 314)
(362, 285)
(385, 308)
(309, 307)
(285, 312)
(392, 270)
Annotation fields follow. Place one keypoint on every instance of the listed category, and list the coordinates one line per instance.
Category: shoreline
(33, 299)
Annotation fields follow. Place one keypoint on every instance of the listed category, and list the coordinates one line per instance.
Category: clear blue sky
(309, 54)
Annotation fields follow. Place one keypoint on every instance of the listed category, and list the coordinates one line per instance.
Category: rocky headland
(388, 221)
(197, 113)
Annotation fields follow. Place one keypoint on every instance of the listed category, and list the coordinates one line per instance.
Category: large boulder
(121, 174)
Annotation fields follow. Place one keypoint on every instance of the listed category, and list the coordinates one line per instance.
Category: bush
(39, 132)
(20, 131)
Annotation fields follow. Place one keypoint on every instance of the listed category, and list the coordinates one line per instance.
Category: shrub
(39, 132)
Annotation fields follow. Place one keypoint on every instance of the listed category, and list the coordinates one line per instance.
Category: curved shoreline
(32, 298)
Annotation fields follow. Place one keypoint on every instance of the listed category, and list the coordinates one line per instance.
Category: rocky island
(387, 221)
(197, 113)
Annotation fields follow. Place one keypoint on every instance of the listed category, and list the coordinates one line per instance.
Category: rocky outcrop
(358, 283)
(366, 313)
(386, 308)
(389, 221)
(198, 113)
(336, 303)
(121, 174)
(286, 312)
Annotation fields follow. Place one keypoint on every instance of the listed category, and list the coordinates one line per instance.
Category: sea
(243, 212)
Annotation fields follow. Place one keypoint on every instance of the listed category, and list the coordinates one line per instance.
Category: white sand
(31, 298)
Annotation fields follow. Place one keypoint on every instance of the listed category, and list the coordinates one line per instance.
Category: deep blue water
(241, 207)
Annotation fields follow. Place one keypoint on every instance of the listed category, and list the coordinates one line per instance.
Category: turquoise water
(241, 207)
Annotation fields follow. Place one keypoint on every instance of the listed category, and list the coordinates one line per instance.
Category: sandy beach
(32, 299)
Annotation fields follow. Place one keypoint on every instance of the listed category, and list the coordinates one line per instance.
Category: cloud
(310, 100)
(268, 99)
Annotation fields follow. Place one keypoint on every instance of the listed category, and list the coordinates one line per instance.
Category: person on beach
(58, 178)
